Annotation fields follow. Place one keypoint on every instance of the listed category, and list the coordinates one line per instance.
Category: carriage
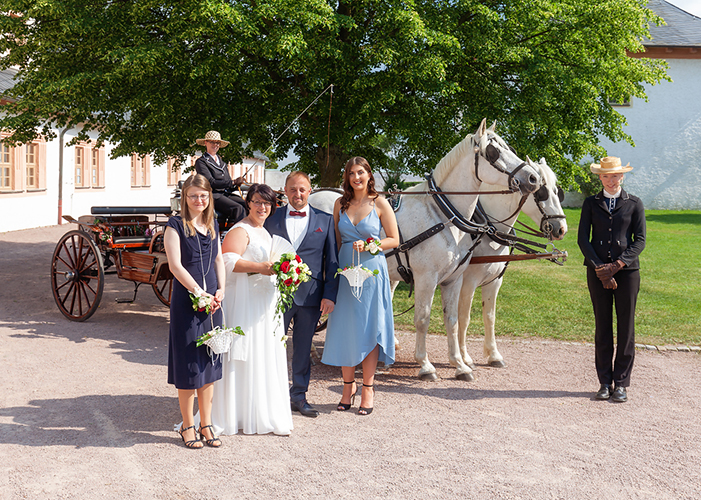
(127, 241)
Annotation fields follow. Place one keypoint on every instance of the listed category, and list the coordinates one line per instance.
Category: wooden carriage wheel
(77, 275)
(163, 287)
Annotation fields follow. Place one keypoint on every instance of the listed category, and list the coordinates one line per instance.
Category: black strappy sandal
(210, 442)
(345, 406)
(367, 411)
(190, 444)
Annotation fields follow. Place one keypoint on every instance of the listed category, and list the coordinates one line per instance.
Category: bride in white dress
(253, 393)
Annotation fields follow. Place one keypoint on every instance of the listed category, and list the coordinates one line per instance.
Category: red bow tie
(297, 214)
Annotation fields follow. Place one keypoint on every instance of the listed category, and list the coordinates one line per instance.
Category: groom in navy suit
(312, 234)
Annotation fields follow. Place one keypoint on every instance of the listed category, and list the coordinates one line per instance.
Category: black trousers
(614, 370)
(232, 207)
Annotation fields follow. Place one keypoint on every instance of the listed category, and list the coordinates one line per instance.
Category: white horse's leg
(489, 306)
(467, 294)
(423, 299)
(450, 295)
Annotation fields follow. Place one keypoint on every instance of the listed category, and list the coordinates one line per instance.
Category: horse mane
(448, 162)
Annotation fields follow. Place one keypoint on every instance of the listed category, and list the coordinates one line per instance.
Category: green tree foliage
(153, 75)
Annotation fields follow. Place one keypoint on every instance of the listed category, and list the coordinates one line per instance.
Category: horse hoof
(466, 377)
(497, 364)
(472, 366)
(428, 377)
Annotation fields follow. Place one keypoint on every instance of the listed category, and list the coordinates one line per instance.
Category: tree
(152, 75)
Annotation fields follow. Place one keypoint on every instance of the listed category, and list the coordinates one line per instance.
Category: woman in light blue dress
(361, 328)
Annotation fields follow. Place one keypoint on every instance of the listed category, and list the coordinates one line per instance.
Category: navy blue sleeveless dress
(190, 367)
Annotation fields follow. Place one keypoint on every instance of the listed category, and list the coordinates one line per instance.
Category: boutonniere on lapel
(319, 230)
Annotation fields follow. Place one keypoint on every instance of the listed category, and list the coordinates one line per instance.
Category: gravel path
(85, 412)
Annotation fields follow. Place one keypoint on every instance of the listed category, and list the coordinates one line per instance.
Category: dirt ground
(85, 413)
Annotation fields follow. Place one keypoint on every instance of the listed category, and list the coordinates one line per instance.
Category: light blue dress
(356, 327)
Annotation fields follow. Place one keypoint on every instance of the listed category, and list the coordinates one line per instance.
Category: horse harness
(479, 226)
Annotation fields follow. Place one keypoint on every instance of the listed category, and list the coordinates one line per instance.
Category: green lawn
(544, 300)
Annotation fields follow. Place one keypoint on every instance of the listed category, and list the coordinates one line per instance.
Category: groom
(313, 236)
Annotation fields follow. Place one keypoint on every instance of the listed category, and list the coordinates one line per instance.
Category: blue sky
(691, 6)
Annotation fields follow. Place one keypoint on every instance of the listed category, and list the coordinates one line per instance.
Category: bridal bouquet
(290, 272)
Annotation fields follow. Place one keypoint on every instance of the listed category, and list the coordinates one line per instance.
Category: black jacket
(606, 237)
(217, 175)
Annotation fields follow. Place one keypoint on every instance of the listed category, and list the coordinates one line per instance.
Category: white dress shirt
(296, 226)
(612, 199)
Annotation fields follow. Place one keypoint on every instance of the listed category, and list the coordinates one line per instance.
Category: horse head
(545, 204)
(494, 159)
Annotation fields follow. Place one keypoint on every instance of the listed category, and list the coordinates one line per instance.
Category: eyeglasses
(200, 197)
(262, 204)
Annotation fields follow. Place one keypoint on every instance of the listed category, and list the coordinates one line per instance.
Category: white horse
(442, 257)
(545, 209)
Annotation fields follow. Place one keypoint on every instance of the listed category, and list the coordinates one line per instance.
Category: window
(95, 167)
(140, 170)
(79, 168)
(173, 175)
(32, 170)
(6, 167)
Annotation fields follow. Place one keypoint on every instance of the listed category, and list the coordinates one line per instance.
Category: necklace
(209, 264)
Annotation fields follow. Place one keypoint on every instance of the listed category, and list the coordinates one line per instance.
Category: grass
(541, 299)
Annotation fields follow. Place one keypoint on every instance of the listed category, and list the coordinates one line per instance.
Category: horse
(433, 228)
(544, 207)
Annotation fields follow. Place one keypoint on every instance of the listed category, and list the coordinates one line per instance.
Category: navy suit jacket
(317, 250)
(606, 237)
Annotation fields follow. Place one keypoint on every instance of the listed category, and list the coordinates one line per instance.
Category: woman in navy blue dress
(361, 331)
(194, 257)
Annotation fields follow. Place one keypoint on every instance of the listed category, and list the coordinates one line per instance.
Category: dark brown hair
(265, 192)
(348, 191)
(197, 181)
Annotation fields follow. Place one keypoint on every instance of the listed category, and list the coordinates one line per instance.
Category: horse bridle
(492, 154)
(541, 195)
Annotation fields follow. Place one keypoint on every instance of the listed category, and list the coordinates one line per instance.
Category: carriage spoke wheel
(163, 287)
(77, 275)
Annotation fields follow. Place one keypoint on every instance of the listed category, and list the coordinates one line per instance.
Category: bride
(253, 394)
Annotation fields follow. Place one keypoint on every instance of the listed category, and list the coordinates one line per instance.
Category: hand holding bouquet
(373, 245)
(201, 300)
(290, 272)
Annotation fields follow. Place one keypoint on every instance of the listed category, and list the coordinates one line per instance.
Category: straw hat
(609, 165)
(213, 135)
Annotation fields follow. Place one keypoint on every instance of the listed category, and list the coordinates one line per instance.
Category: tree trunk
(331, 163)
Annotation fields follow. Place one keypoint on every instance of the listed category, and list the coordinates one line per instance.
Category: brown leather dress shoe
(619, 395)
(604, 392)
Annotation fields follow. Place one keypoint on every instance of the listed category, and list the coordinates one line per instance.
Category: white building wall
(29, 210)
(667, 134)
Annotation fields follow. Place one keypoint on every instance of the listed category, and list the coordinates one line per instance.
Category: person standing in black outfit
(611, 236)
(192, 245)
(216, 171)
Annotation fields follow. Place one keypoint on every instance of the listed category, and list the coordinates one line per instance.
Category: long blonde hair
(197, 181)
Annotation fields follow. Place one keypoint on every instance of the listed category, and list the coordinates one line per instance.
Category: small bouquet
(373, 245)
(290, 272)
(200, 301)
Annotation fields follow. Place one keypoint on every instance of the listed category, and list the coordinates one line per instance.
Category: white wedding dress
(253, 393)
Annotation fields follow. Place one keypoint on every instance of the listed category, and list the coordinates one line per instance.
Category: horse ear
(528, 159)
(494, 126)
(542, 161)
(482, 129)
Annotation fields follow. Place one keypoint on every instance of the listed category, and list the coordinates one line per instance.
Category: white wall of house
(667, 134)
(24, 210)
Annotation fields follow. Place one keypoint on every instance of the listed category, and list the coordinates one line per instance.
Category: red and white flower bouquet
(290, 272)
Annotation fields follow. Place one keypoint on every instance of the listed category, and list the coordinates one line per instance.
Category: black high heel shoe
(367, 411)
(344, 406)
(210, 442)
(192, 442)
